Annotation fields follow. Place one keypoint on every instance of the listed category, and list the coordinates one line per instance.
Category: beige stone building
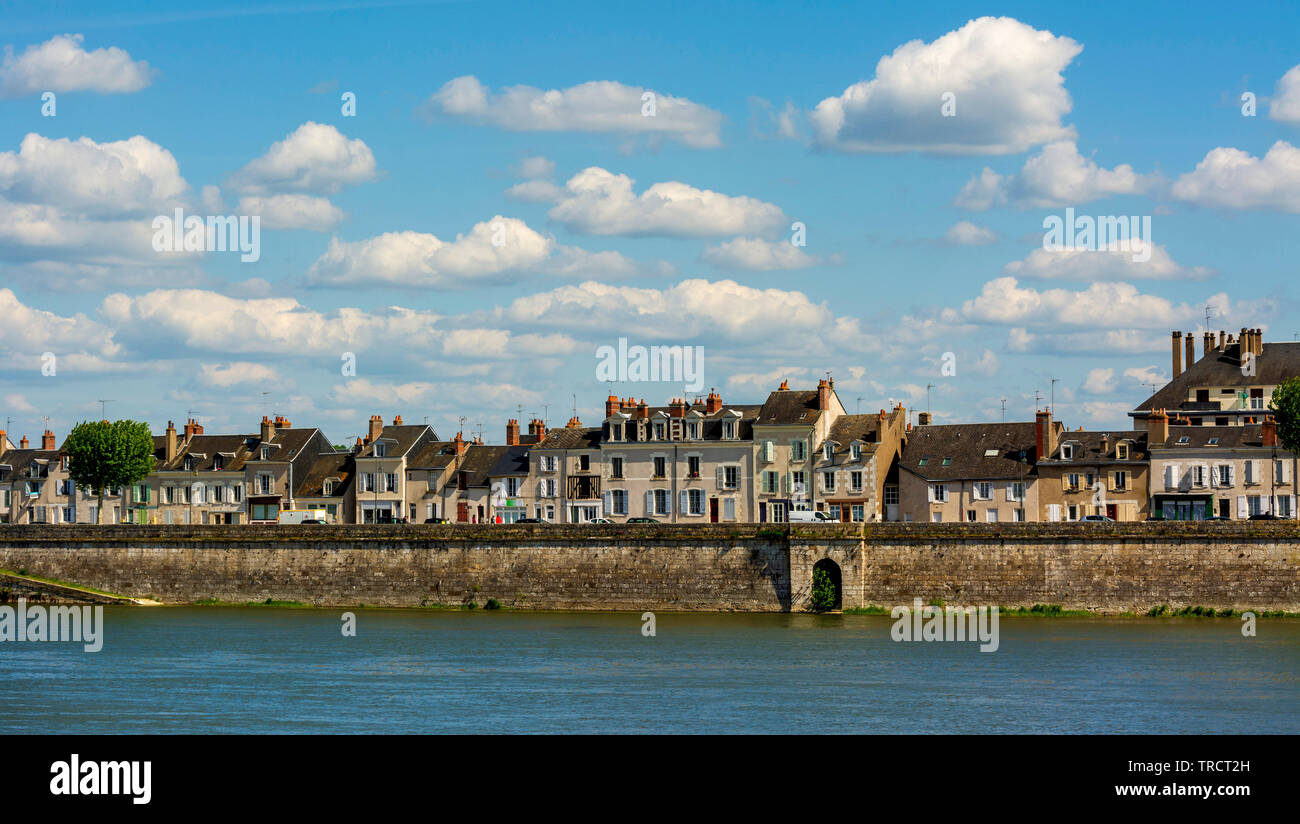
(975, 473)
(35, 487)
(1091, 473)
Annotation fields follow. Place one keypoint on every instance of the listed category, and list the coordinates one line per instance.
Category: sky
(460, 203)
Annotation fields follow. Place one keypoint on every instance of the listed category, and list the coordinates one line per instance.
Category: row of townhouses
(1204, 445)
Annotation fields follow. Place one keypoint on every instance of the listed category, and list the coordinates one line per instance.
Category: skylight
(990, 453)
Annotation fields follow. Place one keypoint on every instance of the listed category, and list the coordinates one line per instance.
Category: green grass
(25, 574)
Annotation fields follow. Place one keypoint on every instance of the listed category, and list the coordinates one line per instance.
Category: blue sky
(924, 233)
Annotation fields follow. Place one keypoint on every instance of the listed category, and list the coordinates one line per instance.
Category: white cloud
(27, 333)
(1233, 179)
(1057, 176)
(421, 259)
(238, 372)
(127, 177)
(16, 402)
(314, 158)
(1146, 376)
(1006, 78)
(535, 191)
(293, 212)
(1285, 105)
(758, 255)
(597, 106)
(1100, 381)
(60, 64)
(1105, 264)
(599, 202)
(574, 263)
(501, 343)
(965, 233)
(533, 168)
(435, 395)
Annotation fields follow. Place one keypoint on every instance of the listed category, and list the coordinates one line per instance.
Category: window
(1250, 472)
(939, 493)
(1225, 474)
(189, 463)
(1121, 451)
(392, 482)
(1121, 481)
(1073, 513)
(660, 466)
(618, 502)
(828, 481)
(266, 484)
(1067, 451)
(1253, 506)
(799, 450)
(1072, 480)
(659, 430)
(855, 484)
(891, 493)
(798, 482)
(729, 430)
(828, 451)
(921, 462)
(327, 488)
(615, 467)
(1017, 490)
(661, 502)
(693, 430)
(983, 491)
(729, 509)
(1279, 473)
(549, 487)
(768, 450)
(584, 463)
(1284, 506)
(1020, 516)
(695, 501)
(855, 452)
(616, 432)
(33, 488)
(381, 449)
(218, 463)
(266, 453)
(1198, 475)
(991, 516)
(834, 511)
(692, 466)
(1215, 441)
(512, 487)
(770, 483)
(1184, 440)
(970, 515)
(169, 494)
(731, 477)
(858, 512)
(936, 517)
(266, 512)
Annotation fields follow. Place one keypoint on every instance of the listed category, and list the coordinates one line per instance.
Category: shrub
(823, 591)
(492, 603)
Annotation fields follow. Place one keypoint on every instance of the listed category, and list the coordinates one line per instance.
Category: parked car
(302, 516)
(1157, 518)
(600, 521)
(1097, 519)
(530, 521)
(642, 521)
(437, 520)
(1218, 518)
(1264, 516)
(797, 515)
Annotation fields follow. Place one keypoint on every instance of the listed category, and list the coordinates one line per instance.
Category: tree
(103, 455)
(823, 591)
(1285, 404)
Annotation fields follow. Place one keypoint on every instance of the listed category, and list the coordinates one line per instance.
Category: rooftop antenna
(266, 404)
(1004, 410)
(546, 414)
(860, 404)
(928, 404)
(575, 405)
(1038, 396)
(1207, 317)
(103, 404)
(462, 426)
(1052, 408)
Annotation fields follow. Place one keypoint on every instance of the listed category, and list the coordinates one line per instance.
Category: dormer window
(922, 462)
(659, 430)
(189, 463)
(1212, 442)
(1121, 450)
(1184, 440)
(828, 451)
(616, 431)
(328, 488)
(218, 463)
(729, 430)
(693, 431)
(380, 449)
(947, 461)
(855, 452)
(1067, 452)
(266, 453)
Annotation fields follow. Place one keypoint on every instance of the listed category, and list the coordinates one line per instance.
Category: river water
(283, 670)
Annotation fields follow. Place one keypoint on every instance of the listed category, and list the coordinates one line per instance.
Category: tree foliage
(103, 455)
(1285, 404)
(823, 591)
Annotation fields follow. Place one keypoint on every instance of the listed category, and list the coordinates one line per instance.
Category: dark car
(1264, 516)
(1218, 518)
(642, 521)
(1157, 518)
(437, 520)
(530, 521)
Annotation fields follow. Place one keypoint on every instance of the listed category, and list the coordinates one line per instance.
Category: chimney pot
(1177, 354)
(47, 440)
(23, 443)
(1268, 431)
(512, 432)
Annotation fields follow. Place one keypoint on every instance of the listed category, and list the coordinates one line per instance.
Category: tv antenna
(1052, 408)
(103, 405)
(928, 403)
(1004, 410)
(859, 404)
(1038, 396)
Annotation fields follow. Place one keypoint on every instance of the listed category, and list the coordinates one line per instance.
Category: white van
(304, 516)
(797, 515)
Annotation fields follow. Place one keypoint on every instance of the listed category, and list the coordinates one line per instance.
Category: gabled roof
(433, 455)
(234, 449)
(788, 407)
(1278, 362)
(478, 461)
(571, 438)
(327, 465)
(1229, 437)
(967, 446)
(849, 428)
(21, 459)
(513, 461)
(398, 439)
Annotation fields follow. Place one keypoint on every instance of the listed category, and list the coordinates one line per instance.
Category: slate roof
(850, 428)
(1278, 362)
(513, 461)
(234, 449)
(1090, 443)
(966, 444)
(572, 438)
(1230, 437)
(478, 461)
(399, 439)
(789, 406)
(21, 459)
(433, 455)
(327, 465)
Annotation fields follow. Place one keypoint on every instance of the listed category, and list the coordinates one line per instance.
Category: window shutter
(1065, 480)
(541, 489)
(649, 502)
(1243, 512)
(1214, 477)
(1169, 476)
(1232, 475)
(608, 498)
(1053, 512)
(722, 477)
(1011, 494)
(685, 504)
(929, 492)
(1293, 512)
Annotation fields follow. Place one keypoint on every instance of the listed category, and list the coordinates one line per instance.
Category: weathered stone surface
(1105, 567)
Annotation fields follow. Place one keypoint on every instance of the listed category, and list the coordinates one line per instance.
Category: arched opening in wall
(827, 590)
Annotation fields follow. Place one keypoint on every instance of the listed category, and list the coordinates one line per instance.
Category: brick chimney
(1207, 341)
(1105, 445)
(268, 429)
(537, 428)
(397, 420)
(823, 395)
(922, 418)
(23, 443)
(677, 409)
(611, 405)
(281, 422)
(1191, 351)
(376, 427)
(642, 411)
(1259, 341)
(512, 432)
(1044, 435)
(3, 435)
(573, 423)
(460, 444)
(192, 428)
(47, 440)
(1157, 428)
(1268, 430)
(713, 403)
(171, 442)
(784, 387)
(1178, 354)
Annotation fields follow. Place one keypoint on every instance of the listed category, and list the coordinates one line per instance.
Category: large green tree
(1285, 404)
(103, 455)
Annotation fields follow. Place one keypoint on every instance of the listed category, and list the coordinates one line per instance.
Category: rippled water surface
(226, 669)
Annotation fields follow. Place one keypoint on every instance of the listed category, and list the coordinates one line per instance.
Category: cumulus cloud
(1285, 105)
(597, 106)
(535, 191)
(1105, 264)
(1099, 381)
(293, 212)
(1232, 179)
(127, 177)
(965, 233)
(1006, 78)
(60, 64)
(315, 158)
(599, 202)
(435, 395)
(238, 372)
(1057, 176)
(758, 255)
(28, 332)
(491, 251)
